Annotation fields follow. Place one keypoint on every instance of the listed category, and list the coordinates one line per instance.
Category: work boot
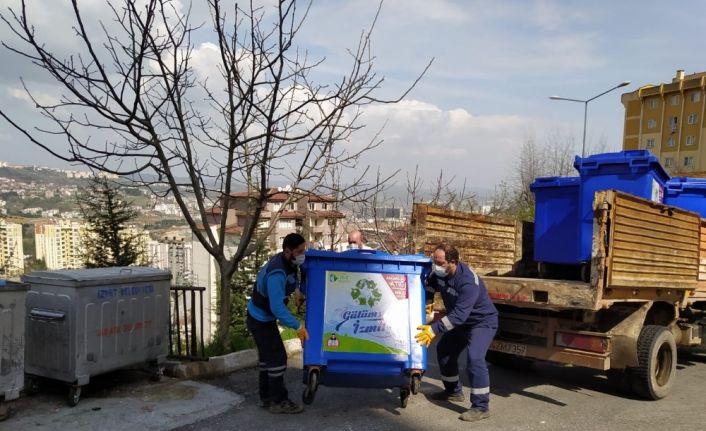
(456, 397)
(286, 406)
(473, 414)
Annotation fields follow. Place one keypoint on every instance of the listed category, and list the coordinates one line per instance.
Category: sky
(495, 65)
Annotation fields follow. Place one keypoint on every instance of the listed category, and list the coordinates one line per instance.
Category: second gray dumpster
(12, 349)
(85, 322)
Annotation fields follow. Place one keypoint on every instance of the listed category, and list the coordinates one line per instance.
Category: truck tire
(657, 356)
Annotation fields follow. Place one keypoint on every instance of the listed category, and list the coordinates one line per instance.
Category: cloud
(452, 141)
(41, 98)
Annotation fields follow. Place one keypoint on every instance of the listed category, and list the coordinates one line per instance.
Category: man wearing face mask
(470, 325)
(276, 281)
(356, 240)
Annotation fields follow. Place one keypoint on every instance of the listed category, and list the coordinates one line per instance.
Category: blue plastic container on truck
(637, 172)
(556, 219)
(687, 193)
(362, 312)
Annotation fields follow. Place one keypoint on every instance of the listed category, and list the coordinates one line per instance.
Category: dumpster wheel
(415, 383)
(404, 397)
(74, 395)
(4, 410)
(312, 385)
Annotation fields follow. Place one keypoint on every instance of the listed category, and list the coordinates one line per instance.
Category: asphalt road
(546, 397)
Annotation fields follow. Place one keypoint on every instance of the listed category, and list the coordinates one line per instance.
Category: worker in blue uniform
(276, 281)
(470, 324)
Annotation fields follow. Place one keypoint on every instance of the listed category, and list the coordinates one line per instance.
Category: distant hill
(28, 174)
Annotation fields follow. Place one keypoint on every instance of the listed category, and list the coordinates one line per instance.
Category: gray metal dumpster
(12, 336)
(85, 322)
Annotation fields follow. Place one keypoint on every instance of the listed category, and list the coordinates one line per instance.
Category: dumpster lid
(10, 286)
(686, 183)
(368, 254)
(97, 276)
(541, 182)
(629, 158)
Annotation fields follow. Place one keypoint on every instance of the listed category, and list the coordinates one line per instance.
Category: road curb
(224, 364)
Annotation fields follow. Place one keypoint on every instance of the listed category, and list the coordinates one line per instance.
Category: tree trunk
(224, 307)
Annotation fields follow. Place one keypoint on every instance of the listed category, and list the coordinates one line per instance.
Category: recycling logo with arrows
(366, 292)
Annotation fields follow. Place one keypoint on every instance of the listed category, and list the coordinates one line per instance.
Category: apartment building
(668, 119)
(11, 251)
(314, 216)
(59, 244)
(175, 255)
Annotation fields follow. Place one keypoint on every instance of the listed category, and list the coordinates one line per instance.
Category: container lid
(686, 183)
(368, 254)
(630, 159)
(10, 286)
(541, 182)
(97, 276)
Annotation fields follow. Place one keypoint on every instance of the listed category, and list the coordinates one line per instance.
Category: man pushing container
(470, 324)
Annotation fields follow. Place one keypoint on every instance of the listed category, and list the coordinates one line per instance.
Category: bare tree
(392, 234)
(135, 84)
(554, 157)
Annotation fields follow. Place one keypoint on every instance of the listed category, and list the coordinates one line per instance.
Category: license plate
(511, 348)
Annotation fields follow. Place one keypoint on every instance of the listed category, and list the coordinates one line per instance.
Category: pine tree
(108, 241)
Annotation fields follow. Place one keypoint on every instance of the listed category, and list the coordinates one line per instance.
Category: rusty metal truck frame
(646, 295)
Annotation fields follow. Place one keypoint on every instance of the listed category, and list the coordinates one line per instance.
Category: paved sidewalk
(124, 400)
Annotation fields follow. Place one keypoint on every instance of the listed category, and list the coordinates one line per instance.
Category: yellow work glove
(429, 313)
(302, 333)
(425, 335)
(299, 298)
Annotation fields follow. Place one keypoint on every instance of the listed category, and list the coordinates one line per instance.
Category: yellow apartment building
(11, 251)
(59, 244)
(668, 119)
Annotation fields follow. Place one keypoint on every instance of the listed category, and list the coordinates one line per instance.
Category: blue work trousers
(475, 341)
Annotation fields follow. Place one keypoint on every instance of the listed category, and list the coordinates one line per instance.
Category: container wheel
(74, 395)
(586, 272)
(657, 358)
(311, 385)
(4, 410)
(415, 383)
(542, 270)
(32, 384)
(157, 374)
(404, 397)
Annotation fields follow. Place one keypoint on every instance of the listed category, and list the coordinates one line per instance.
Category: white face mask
(298, 260)
(440, 271)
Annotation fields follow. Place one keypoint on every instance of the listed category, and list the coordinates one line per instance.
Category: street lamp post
(585, 110)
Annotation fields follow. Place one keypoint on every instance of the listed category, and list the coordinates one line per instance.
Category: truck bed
(642, 251)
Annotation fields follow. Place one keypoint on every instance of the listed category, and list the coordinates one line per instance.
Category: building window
(651, 123)
(670, 141)
(692, 118)
(276, 206)
(695, 96)
(673, 123)
(689, 161)
(675, 100)
(690, 140)
(650, 143)
(324, 206)
(669, 162)
(290, 207)
(312, 206)
(286, 224)
(653, 103)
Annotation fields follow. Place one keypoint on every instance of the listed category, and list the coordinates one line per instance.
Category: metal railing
(186, 320)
